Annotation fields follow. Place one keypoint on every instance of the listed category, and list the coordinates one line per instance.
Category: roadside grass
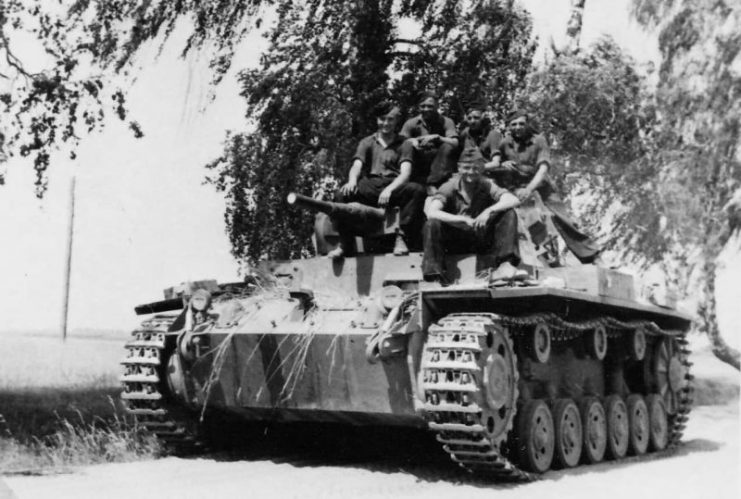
(60, 408)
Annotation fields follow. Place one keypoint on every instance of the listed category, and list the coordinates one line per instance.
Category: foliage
(328, 65)
(698, 139)
(589, 104)
(90, 45)
(660, 163)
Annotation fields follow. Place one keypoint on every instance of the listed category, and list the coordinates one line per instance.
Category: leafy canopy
(328, 64)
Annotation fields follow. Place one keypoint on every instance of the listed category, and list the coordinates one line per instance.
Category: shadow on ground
(35, 413)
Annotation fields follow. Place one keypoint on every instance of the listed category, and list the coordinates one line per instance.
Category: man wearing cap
(433, 143)
(470, 212)
(379, 176)
(520, 162)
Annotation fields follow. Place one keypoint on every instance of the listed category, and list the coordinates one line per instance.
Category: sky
(144, 220)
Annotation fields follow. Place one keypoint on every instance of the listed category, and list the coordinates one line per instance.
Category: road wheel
(658, 435)
(535, 436)
(568, 428)
(594, 427)
(618, 433)
(639, 425)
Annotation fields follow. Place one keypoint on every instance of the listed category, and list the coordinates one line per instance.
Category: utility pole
(68, 267)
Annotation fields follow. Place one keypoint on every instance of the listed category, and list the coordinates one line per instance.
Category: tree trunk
(573, 28)
(709, 321)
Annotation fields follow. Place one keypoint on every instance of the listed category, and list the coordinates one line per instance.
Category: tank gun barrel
(348, 211)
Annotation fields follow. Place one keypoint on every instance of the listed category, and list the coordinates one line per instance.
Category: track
(472, 418)
(145, 389)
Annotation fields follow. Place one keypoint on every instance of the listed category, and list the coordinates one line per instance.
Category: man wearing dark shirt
(433, 143)
(477, 131)
(379, 176)
(520, 162)
(471, 213)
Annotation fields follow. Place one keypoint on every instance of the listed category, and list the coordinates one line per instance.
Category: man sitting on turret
(520, 162)
(379, 176)
(470, 213)
(433, 140)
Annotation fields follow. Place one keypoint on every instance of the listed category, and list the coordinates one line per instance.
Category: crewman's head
(518, 125)
(387, 117)
(427, 103)
(476, 118)
(471, 164)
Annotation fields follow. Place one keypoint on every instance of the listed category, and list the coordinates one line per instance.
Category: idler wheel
(658, 435)
(670, 373)
(535, 439)
(638, 421)
(569, 433)
(618, 430)
(596, 342)
(541, 343)
(637, 344)
(594, 425)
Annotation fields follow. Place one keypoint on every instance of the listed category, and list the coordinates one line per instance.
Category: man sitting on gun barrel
(379, 176)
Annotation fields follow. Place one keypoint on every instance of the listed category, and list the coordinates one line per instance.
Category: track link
(145, 386)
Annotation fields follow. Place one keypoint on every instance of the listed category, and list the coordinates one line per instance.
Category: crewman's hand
(430, 140)
(479, 223)
(509, 165)
(385, 196)
(523, 194)
(349, 188)
(431, 190)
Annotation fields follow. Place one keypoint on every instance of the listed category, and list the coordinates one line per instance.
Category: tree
(660, 163)
(697, 147)
(90, 46)
(311, 98)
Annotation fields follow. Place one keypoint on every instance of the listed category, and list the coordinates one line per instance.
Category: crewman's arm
(435, 212)
(505, 200)
(403, 177)
(352, 178)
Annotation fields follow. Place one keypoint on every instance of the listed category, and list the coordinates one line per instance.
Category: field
(59, 403)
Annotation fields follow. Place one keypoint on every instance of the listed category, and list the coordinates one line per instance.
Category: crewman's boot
(505, 272)
(336, 253)
(400, 247)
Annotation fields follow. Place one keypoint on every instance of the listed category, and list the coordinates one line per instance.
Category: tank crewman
(468, 212)
(379, 176)
(433, 140)
(477, 130)
(520, 162)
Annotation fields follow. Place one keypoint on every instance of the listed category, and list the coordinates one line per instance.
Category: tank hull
(487, 368)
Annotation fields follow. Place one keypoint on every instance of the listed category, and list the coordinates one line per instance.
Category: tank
(559, 367)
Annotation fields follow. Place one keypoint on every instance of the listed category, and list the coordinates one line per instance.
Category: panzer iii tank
(560, 368)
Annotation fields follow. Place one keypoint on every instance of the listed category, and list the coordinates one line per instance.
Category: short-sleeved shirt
(528, 154)
(381, 159)
(487, 141)
(417, 127)
(485, 194)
